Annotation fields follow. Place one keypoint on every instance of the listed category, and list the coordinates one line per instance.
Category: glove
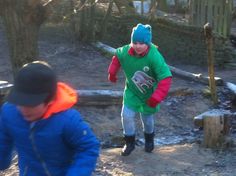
(152, 102)
(113, 69)
(160, 93)
(112, 78)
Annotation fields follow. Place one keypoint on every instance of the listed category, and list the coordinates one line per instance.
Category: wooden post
(210, 59)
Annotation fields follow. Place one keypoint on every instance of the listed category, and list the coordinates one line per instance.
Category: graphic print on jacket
(142, 80)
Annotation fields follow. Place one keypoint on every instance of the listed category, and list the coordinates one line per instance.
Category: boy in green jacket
(148, 80)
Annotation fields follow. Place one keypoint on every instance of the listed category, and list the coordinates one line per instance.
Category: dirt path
(84, 67)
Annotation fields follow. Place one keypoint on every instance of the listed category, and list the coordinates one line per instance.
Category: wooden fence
(217, 12)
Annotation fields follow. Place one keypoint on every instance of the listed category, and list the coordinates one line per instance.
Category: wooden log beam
(86, 97)
(178, 72)
(194, 77)
(99, 97)
(4, 87)
(231, 87)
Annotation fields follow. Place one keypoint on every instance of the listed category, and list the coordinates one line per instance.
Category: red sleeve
(114, 66)
(162, 89)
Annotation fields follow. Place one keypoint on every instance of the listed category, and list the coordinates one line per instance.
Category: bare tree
(125, 6)
(176, 5)
(163, 5)
(105, 19)
(22, 20)
(85, 20)
(153, 9)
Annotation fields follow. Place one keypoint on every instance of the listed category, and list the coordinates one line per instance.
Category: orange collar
(65, 98)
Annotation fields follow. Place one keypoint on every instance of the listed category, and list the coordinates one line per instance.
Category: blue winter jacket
(61, 145)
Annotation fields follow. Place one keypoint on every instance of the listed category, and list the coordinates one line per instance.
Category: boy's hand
(152, 102)
(112, 78)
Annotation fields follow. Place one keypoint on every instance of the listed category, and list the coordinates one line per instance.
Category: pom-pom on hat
(142, 33)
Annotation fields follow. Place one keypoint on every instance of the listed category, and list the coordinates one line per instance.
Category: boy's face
(139, 47)
(33, 113)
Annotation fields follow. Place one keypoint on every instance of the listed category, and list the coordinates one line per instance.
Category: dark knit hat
(142, 33)
(34, 83)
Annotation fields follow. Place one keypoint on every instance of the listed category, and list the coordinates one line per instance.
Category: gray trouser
(128, 121)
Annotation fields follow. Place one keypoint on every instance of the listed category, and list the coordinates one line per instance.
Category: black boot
(149, 142)
(129, 145)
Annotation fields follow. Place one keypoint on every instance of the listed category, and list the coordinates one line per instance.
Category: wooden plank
(218, 13)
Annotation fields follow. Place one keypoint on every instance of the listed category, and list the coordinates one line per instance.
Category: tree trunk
(82, 21)
(22, 38)
(72, 20)
(153, 10)
(22, 21)
(163, 5)
(90, 33)
(125, 6)
(176, 6)
(142, 8)
(105, 19)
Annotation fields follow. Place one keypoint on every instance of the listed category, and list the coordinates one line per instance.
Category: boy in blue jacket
(50, 138)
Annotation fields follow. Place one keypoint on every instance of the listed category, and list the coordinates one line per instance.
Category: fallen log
(104, 47)
(231, 87)
(4, 89)
(194, 77)
(99, 97)
(178, 72)
(86, 97)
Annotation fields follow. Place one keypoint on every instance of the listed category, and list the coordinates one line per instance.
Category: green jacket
(142, 76)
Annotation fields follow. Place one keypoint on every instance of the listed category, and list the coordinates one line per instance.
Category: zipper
(31, 136)
(25, 170)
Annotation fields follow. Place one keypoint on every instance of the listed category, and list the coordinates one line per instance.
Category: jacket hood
(65, 98)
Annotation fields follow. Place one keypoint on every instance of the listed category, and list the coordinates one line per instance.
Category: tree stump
(216, 130)
(216, 127)
(215, 124)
